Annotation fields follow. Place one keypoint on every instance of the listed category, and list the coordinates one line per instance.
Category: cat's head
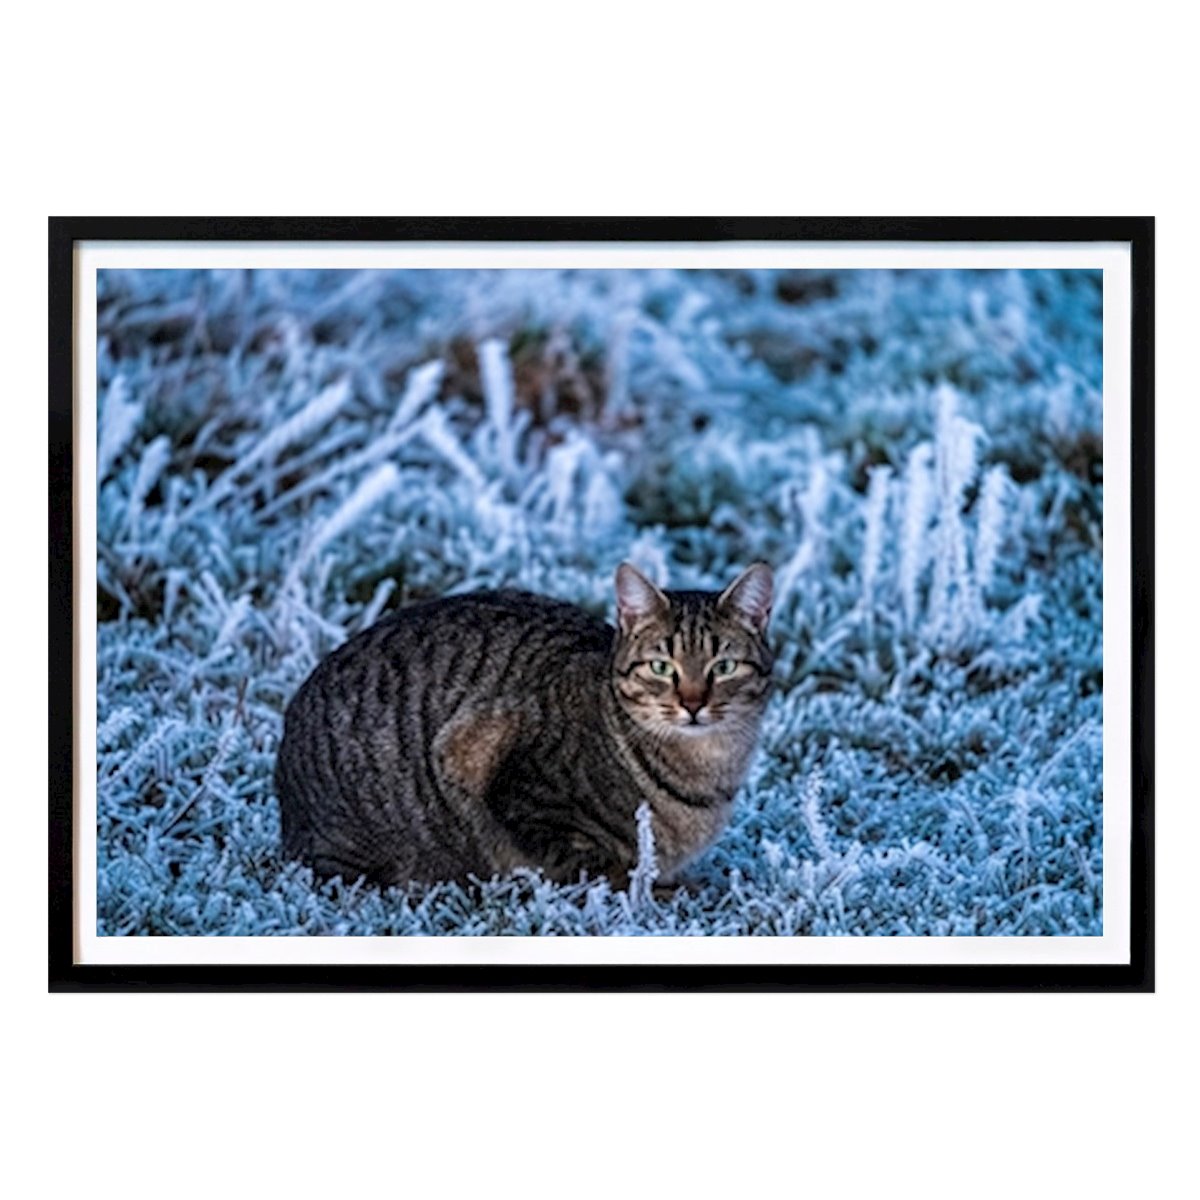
(693, 662)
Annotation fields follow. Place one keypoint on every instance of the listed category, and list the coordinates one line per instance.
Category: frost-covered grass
(285, 455)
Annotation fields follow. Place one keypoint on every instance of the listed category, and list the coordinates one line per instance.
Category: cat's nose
(692, 701)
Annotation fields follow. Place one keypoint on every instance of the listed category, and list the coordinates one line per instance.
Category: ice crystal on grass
(950, 591)
(645, 873)
(120, 415)
(914, 545)
(992, 499)
(501, 404)
(318, 412)
(286, 455)
(370, 492)
(876, 512)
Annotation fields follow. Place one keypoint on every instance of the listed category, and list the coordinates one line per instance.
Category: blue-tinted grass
(286, 455)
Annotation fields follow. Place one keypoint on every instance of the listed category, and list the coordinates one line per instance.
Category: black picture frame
(65, 974)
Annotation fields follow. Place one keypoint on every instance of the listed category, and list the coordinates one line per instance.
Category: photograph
(603, 573)
(697, 604)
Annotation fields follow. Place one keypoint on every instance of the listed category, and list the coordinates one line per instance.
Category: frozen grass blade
(501, 403)
(645, 874)
(993, 499)
(120, 416)
(421, 388)
(435, 429)
(315, 415)
(952, 606)
(812, 502)
(810, 808)
(372, 491)
(153, 462)
(385, 446)
(918, 510)
(876, 513)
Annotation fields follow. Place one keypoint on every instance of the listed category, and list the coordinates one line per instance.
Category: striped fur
(478, 733)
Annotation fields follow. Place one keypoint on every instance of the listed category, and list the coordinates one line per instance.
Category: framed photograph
(738, 604)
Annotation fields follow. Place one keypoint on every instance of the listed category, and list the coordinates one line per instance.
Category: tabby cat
(478, 733)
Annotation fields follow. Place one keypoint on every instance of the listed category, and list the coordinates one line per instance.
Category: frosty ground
(283, 456)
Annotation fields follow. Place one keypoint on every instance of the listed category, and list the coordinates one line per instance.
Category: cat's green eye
(725, 666)
(660, 666)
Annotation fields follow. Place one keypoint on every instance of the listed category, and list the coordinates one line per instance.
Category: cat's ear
(638, 600)
(749, 596)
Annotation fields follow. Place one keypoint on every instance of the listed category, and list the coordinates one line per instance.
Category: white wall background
(630, 108)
